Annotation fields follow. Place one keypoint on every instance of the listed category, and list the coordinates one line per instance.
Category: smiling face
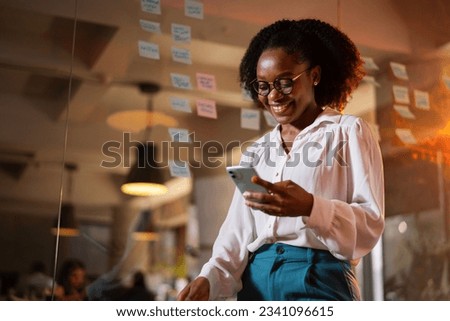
(299, 107)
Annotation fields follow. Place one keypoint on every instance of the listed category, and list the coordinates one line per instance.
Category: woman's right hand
(197, 290)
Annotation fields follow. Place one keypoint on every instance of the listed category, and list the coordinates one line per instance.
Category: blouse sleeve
(351, 229)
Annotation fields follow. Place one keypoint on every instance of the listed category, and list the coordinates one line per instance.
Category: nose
(274, 94)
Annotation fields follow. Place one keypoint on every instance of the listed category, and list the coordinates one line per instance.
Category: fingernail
(246, 194)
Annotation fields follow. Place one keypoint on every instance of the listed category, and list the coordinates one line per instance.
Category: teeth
(279, 108)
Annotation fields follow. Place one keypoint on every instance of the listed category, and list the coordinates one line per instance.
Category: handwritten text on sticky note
(206, 82)
(181, 81)
(151, 6)
(206, 108)
(181, 33)
(193, 9)
(148, 50)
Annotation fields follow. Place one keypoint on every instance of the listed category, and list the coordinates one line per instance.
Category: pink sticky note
(206, 82)
(206, 108)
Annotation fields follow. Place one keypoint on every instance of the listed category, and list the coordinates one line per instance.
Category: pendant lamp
(68, 225)
(145, 177)
(145, 229)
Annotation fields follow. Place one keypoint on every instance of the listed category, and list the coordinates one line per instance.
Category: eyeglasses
(282, 85)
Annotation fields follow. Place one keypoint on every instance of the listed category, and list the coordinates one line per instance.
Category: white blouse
(336, 159)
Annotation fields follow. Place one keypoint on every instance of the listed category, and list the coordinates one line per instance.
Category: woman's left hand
(285, 198)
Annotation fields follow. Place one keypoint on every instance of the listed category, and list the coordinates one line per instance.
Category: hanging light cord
(66, 134)
(338, 14)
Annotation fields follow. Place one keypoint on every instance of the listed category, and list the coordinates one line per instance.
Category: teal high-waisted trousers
(281, 272)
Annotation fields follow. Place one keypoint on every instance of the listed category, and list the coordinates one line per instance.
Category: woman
(72, 281)
(323, 170)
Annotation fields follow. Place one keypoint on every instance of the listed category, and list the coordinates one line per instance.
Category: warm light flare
(144, 189)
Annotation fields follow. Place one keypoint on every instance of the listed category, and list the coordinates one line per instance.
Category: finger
(265, 207)
(258, 180)
(257, 197)
(270, 187)
(183, 294)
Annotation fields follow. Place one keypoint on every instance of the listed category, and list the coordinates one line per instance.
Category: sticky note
(206, 82)
(148, 50)
(193, 9)
(404, 112)
(179, 135)
(181, 33)
(405, 135)
(151, 6)
(181, 81)
(401, 94)
(399, 70)
(181, 55)
(206, 108)
(422, 99)
(150, 26)
(250, 118)
(180, 104)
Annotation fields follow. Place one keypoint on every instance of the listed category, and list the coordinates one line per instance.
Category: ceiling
(41, 66)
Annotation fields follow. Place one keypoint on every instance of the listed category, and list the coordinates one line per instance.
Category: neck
(307, 118)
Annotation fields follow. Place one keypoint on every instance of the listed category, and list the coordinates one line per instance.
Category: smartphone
(242, 177)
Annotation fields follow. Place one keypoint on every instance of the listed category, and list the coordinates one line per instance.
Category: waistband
(292, 252)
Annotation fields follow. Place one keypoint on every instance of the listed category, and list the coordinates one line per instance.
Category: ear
(315, 74)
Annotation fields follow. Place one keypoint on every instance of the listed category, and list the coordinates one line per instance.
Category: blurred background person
(36, 284)
(138, 290)
(72, 281)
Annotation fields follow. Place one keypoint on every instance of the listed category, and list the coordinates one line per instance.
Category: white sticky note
(422, 99)
(179, 169)
(150, 26)
(446, 80)
(399, 70)
(369, 64)
(404, 111)
(180, 104)
(206, 82)
(401, 94)
(405, 135)
(269, 119)
(151, 6)
(181, 81)
(193, 9)
(250, 118)
(181, 55)
(148, 50)
(179, 135)
(181, 33)
(206, 108)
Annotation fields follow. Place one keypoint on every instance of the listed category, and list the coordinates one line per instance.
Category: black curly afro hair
(316, 42)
